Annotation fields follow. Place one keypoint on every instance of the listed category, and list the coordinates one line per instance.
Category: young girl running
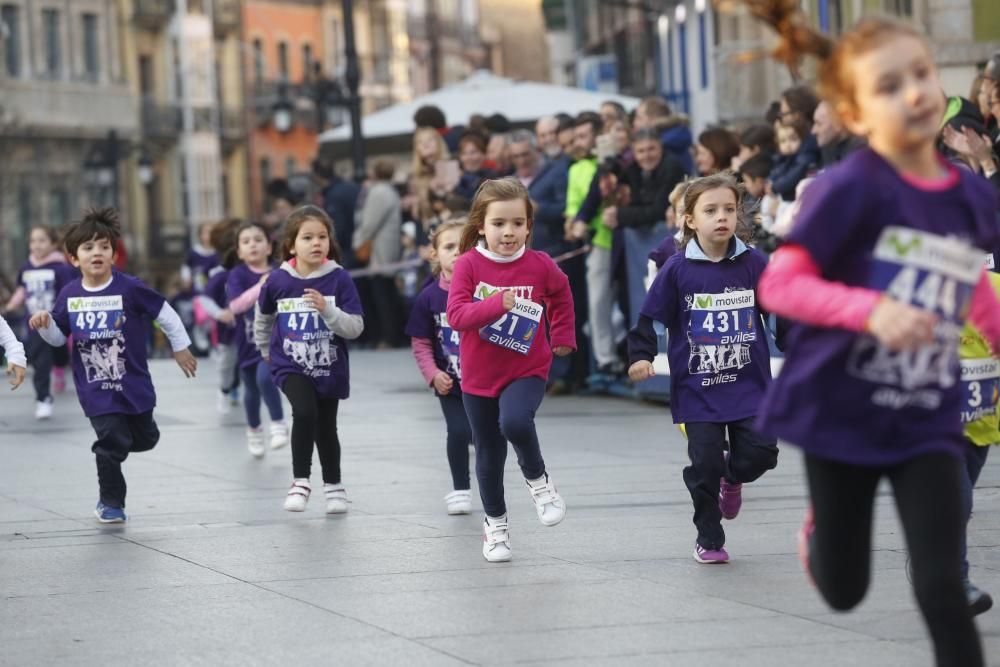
(436, 349)
(242, 288)
(719, 361)
(502, 297)
(17, 362)
(317, 308)
(213, 304)
(39, 281)
(881, 269)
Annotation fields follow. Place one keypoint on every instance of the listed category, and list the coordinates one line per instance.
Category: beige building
(513, 33)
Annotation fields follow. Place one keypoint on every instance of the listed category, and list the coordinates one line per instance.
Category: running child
(883, 265)
(253, 249)
(503, 298)
(436, 348)
(213, 304)
(316, 307)
(39, 281)
(108, 313)
(706, 296)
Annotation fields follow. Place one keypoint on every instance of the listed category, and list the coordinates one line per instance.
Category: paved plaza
(209, 570)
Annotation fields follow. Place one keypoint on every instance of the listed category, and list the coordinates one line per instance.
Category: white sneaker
(255, 441)
(336, 498)
(459, 502)
(496, 540)
(279, 435)
(298, 495)
(43, 409)
(549, 505)
(222, 404)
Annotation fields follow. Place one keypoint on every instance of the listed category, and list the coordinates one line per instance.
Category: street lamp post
(353, 76)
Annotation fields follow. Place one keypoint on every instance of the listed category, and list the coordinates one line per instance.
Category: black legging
(314, 419)
(929, 501)
(459, 438)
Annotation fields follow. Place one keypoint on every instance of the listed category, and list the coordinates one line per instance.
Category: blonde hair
(501, 189)
(420, 168)
(446, 226)
(699, 186)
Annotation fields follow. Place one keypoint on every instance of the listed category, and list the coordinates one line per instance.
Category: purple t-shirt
(241, 278)
(201, 266)
(429, 320)
(109, 329)
(42, 284)
(301, 343)
(215, 289)
(719, 360)
(841, 395)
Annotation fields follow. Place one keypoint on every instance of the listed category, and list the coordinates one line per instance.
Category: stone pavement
(210, 570)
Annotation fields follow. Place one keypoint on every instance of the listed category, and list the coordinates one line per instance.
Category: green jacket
(581, 173)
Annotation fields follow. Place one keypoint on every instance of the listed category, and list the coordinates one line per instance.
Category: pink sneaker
(710, 556)
(59, 379)
(805, 532)
(730, 498)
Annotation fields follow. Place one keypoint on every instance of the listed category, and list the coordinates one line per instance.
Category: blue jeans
(974, 458)
(509, 416)
(257, 384)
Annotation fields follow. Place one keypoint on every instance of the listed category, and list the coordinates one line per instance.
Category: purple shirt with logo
(841, 395)
(201, 266)
(301, 343)
(241, 278)
(429, 320)
(42, 284)
(109, 329)
(719, 360)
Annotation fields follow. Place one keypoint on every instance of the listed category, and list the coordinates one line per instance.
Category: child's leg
(928, 498)
(842, 497)
(518, 403)
(228, 373)
(459, 437)
(491, 451)
(974, 460)
(751, 453)
(328, 440)
(269, 392)
(305, 415)
(114, 441)
(251, 396)
(145, 432)
(706, 442)
(40, 356)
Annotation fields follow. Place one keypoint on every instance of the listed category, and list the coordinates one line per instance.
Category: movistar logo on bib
(944, 255)
(86, 304)
(300, 305)
(980, 369)
(725, 301)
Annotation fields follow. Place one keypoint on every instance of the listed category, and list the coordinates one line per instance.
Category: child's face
(756, 187)
(704, 160)
(446, 249)
(39, 244)
(506, 227)
(312, 244)
(788, 141)
(898, 103)
(95, 259)
(253, 247)
(470, 157)
(205, 236)
(714, 219)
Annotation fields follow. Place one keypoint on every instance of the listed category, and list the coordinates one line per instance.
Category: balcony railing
(153, 14)
(226, 16)
(161, 122)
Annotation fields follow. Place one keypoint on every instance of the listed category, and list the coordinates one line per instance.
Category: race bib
(98, 323)
(721, 330)
(980, 388)
(449, 341)
(516, 329)
(990, 262)
(40, 287)
(305, 338)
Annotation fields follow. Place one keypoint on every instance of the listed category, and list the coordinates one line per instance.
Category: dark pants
(975, 459)
(574, 369)
(314, 420)
(385, 297)
(459, 437)
(41, 357)
(929, 501)
(257, 385)
(510, 416)
(750, 456)
(118, 436)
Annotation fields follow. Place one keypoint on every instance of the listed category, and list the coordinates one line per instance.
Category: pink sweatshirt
(487, 368)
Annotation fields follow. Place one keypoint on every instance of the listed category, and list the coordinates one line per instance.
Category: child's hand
(561, 350)
(315, 299)
(16, 374)
(899, 326)
(443, 383)
(187, 362)
(641, 370)
(40, 320)
(226, 317)
(508, 300)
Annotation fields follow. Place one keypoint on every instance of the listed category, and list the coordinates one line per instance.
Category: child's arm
(562, 318)
(16, 299)
(423, 352)
(464, 314)
(642, 349)
(213, 309)
(263, 326)
(46, 326)
(245, 301)
(17, 362)
(173, 328)
(343, 324)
